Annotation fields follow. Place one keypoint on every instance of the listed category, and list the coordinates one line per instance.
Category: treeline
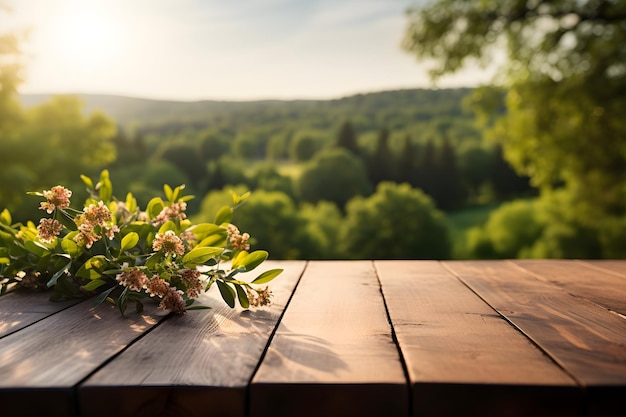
(327, 181)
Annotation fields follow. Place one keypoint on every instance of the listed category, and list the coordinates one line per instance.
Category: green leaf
(129, 241)
(102, 296)
(33, 247)
(267, 276)
(199, 255)
(224, 215)
(93, 267)
(155, 259)
(69, 246)
(65, 219)
(168, 225)
(52, 281)
(122, 301)
(228, 294)
(176, 194)
(94, 285)
(238, 260)
(168, 192)
(131, 203)
(106, 187)
(87, 181)
(254, 259)
(154, 207)
(203, 230)
(199, 307)
(5, 217)
(243, 297)
(213, 240)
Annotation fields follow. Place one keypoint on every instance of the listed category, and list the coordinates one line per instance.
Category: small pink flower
(173, 301)
(57, 197)
(168, 243)
(157, 287)
(48, 229)
(191, 278)
(134, 279)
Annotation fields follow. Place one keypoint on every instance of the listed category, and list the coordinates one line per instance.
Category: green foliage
(10, 78)
(266, 177)
(546, 227)
(304, 146)
(510, 232)
(334, 175)
(63, 142)
(381, 164)
(347, 139)
(272, 218)
(323, 224)
(186, 157)
(127, 255)
(396, 222)
(565, 101)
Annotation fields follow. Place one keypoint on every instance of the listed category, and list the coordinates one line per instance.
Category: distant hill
(386, 107)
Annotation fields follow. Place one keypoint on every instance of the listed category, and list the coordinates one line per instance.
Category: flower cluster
(56, 197)
(114, 250)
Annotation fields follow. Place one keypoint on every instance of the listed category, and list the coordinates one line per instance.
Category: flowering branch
(123, 254)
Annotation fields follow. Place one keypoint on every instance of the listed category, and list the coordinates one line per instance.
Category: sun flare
(86, 37)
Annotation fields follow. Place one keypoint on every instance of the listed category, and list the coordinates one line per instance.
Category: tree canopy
(565, 76)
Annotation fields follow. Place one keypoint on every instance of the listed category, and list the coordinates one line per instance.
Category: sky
(220, 50)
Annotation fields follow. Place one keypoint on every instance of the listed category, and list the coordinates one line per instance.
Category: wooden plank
(617, 267)
(585, 338)
(19, 309)
(40, 364)
(581, 280)
(198, 364)
(333, 353)
(464, 359)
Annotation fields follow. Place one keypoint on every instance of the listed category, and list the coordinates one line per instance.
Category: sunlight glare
(86, 37)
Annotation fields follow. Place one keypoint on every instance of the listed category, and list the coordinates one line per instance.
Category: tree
(506, 182)
(323, 223)
(274, 223)
(566, 79)
(266, 177)
(381, 163)
(304, 146)
(213, 146)
(396, 222)
(407, 163)
(334, 175)
(448, 192)
(346, 138)
(186, 157)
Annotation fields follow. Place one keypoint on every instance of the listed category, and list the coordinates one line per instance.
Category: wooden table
(342, 338)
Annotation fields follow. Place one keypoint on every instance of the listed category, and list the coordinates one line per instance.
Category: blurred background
(376, 129)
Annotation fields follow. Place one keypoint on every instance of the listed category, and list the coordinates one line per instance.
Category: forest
(323, 174)
(532, 166)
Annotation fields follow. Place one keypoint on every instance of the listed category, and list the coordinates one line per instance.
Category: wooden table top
(342, 338)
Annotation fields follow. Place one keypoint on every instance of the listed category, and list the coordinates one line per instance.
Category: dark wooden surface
(342, 338)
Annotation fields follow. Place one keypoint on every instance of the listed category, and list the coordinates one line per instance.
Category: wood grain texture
(463, 358)
(198, 364)
(43, 362)
(616, 267)
(19, 309)
(586, 339)
(333, 353)
(581, 280)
